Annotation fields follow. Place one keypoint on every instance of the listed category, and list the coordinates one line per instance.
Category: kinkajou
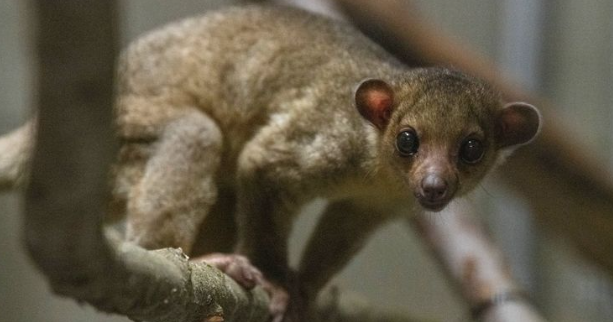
(279, 106)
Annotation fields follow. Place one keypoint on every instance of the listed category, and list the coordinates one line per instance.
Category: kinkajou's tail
(15, 155)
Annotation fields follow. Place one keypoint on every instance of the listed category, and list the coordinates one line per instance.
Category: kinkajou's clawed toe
(240, 269)
(237, 267)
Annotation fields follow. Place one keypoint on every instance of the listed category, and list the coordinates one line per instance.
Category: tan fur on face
(444, 107)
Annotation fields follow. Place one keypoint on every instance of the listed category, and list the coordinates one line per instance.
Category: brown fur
(230, 122)
(257, 102)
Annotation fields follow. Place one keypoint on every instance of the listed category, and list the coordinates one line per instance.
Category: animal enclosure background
(561, 50)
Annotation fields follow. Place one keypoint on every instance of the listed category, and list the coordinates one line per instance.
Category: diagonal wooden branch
(475, 264)
(555, 174)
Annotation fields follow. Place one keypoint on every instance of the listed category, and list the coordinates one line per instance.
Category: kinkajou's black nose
(434, 188)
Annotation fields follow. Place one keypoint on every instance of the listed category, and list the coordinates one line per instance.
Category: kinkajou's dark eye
(472, 151)
(407, 143)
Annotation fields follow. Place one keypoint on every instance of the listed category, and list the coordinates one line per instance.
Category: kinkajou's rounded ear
(518, 123)
(374, 99)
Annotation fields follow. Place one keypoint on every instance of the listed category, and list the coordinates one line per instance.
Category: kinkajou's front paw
(240, 269)
(236, 266)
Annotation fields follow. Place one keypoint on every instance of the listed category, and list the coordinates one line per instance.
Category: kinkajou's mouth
(434, 206)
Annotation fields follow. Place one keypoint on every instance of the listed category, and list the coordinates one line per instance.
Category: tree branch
(474, 264)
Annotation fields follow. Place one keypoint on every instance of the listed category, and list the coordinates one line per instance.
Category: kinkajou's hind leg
(166, 207)
(177, 190)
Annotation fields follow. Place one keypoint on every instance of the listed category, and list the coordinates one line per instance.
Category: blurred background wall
(561, 50)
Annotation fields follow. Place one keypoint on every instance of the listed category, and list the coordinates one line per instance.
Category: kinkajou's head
(441, 131)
